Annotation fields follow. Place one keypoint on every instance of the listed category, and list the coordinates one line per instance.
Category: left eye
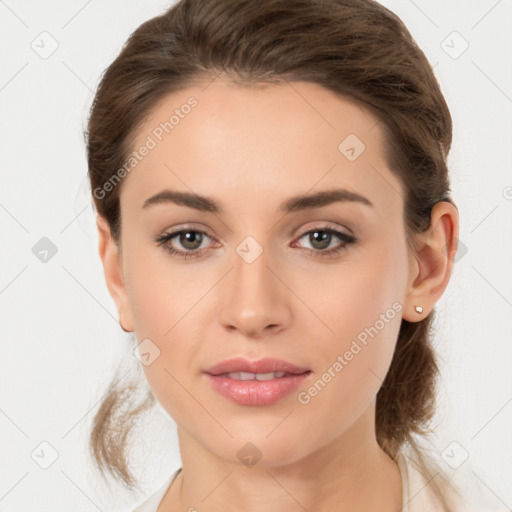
(324, 236)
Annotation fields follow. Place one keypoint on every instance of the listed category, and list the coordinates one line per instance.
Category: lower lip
(256, 392)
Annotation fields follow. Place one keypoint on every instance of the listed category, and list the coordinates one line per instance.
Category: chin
(260, 449)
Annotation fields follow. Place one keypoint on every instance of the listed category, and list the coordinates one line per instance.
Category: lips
(262, 366)
(256, 383)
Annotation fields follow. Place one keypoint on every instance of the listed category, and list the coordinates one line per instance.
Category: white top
(416, 494)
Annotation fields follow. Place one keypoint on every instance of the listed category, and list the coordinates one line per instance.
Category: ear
(432, 264)
(113, 270)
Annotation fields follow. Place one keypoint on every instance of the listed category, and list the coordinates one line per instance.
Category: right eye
(190, 239)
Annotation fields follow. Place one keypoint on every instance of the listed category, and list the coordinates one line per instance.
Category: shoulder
(418, 495)
(150, 504)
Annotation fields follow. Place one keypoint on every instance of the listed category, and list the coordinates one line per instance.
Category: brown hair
(355, 48)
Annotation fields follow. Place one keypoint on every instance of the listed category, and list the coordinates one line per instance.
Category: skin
(250, 149)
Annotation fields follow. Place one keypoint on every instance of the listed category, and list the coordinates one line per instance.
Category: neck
(349, 473)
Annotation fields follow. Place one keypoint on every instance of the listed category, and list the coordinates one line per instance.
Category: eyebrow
(293, 204)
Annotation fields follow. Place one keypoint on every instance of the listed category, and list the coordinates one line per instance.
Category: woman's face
(262, 277)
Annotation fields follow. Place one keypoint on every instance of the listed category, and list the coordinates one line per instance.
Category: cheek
(361, 311)
(160, 291)
(162, 300)
(359, 295)
(354, 366)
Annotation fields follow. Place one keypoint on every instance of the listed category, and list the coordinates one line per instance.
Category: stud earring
(418, 309)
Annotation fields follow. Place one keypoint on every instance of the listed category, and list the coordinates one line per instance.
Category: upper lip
(265, 365)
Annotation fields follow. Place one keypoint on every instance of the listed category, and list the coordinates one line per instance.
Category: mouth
(258, 376)
(256, 383)
(262, 367)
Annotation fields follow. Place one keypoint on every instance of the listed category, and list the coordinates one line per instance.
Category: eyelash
(347, 239)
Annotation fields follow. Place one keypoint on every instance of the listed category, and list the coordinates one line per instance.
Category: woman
(276, 228)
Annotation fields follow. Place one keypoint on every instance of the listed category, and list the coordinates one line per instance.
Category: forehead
(227, 140)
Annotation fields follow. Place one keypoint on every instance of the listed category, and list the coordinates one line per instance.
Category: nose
(255, 298)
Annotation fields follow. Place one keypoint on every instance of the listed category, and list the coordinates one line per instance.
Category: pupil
(324, 240)
(189, 239)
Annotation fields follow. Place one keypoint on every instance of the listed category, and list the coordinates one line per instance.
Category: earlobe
(113, 271)
(434, 259)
